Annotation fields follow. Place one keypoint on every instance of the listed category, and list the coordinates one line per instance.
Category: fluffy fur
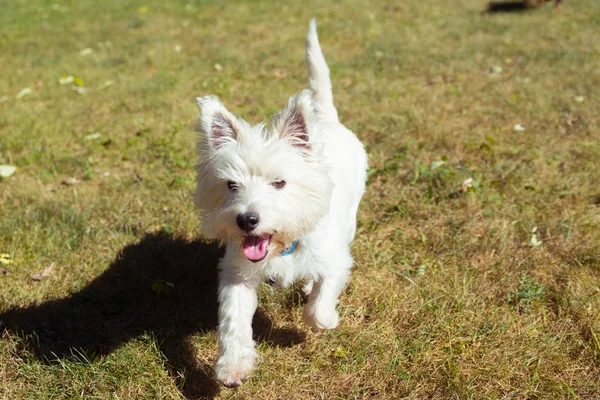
(301, 179)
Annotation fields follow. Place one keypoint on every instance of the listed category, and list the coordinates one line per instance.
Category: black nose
(247, 221)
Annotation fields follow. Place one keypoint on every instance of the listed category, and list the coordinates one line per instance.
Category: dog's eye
(231, 185)
(278, 183)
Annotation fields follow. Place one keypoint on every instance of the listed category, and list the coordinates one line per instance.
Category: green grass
(450, 298)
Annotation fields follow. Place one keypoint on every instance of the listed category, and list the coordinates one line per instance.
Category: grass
(451, 296)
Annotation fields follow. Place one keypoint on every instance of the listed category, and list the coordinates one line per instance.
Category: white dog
(284, 200)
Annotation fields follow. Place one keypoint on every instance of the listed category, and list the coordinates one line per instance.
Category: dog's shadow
(163, 286)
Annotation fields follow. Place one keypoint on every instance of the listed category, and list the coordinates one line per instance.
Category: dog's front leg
(237, 304)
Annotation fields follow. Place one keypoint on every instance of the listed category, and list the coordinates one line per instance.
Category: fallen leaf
(340, 352)
(7, 170)
(92, 136)
(66, 79)
(24, 92)
(436, 164)
(467, 183)
(534, 242)
(6, 259)
(70, 181)
(86, 52)
(153, 229)
(44, 274)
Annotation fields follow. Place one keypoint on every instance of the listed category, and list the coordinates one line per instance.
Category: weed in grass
(527, 294)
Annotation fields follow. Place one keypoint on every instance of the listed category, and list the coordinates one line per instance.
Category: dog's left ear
(294, 121)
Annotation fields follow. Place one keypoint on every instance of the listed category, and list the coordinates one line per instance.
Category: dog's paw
(307, 287)
(233, 371)
(320, 318)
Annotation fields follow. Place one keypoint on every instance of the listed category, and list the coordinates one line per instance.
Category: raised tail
(318, 74)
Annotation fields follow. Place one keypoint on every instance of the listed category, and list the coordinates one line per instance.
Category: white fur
(324, 167)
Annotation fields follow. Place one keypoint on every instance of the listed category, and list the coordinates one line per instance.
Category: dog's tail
(318, 74)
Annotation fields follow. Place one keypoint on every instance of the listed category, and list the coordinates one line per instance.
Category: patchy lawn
(477, 258)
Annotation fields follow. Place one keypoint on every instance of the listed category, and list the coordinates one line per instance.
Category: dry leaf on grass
(7, 170)
(534, 241)
(70, 181)
(92, 136)
(6, 259)
(86, 51)
(436, 164)
(44, 274)
(518, 128)
(66, 79)
(24, 92)
(467, 183)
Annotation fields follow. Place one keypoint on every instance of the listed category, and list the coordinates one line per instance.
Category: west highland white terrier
(283, 199)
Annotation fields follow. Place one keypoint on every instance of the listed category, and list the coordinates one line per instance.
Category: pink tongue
(255, 248)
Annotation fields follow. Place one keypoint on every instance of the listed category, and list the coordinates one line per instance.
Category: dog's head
(261, 187)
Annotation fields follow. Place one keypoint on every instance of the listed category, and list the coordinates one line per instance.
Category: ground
(477, 269)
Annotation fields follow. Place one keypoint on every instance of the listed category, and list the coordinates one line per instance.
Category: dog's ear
(293, 123)
(219, 125)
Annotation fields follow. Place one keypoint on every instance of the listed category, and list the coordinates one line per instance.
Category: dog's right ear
(219, 125)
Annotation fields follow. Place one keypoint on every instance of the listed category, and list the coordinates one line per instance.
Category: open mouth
(256, 248)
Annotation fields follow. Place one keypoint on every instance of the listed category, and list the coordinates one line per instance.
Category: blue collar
(290, 249)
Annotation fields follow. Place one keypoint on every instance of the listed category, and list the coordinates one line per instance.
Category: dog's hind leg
(320, 310)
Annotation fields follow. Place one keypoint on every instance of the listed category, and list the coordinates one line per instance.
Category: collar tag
(290, 249)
